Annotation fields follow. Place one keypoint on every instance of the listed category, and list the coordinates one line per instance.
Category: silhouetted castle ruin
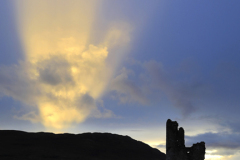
(175, 145)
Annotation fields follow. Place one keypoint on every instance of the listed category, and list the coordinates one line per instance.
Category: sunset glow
(68, 72)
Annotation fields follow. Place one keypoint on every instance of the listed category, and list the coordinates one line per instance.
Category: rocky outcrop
(87, 146)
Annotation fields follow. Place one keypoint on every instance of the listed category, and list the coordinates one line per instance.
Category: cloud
(224, 142)
(161, 146)
(14, 83)
(180, 94)
(55, 70)
(153, 81)
(63, 75)
(104, 113)
(62, 86)
(31, 116)
(232, 126)
(127, 90)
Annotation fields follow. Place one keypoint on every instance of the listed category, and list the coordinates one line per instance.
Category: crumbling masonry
(175, 145)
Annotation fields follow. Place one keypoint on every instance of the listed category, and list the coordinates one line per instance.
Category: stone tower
(175, 145)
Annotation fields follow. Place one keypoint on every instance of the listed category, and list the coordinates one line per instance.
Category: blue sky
(141, 63)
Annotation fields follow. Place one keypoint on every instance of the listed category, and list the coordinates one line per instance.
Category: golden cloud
(63, 73)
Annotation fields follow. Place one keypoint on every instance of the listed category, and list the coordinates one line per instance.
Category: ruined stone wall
(175, 144)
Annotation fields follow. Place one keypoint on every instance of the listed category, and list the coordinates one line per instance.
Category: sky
(123, 67)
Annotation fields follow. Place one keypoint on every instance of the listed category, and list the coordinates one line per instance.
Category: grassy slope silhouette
(87, 146)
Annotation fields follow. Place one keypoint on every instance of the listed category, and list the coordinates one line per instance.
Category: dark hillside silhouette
(19, 145)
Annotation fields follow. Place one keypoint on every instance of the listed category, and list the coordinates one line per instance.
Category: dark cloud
(181, 94)
(153, 81)
(224, 141)
(232, 125)
(13, 82)
(127, 89)
(161, 146)
(55, 70)
(31, 116)
(86, 101)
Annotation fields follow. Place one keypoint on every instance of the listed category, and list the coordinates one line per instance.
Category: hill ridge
(19, 145)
